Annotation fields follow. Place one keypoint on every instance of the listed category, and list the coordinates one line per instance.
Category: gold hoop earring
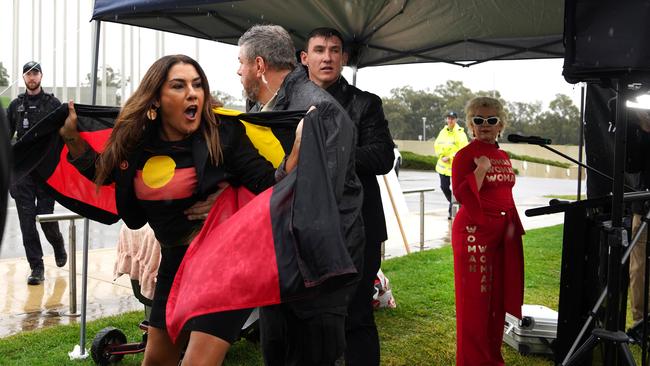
(152, 114)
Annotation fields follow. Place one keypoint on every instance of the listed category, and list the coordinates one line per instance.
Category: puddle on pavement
(47, 317)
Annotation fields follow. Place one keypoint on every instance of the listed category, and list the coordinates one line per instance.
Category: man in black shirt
(23, 113)
(324, 58)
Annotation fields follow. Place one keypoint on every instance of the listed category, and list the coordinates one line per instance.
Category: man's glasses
(490, 120)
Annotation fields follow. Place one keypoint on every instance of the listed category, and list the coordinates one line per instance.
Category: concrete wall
(527, 169)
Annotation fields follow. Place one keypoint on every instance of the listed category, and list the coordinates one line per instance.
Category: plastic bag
(383, 296)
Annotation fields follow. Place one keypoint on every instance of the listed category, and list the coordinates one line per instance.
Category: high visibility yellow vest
(447, 144)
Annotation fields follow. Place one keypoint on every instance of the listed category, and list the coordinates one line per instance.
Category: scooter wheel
(100, 350)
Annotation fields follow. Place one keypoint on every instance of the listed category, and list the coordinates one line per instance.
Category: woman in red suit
(486, 239)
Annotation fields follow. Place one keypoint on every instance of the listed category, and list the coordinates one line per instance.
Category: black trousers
(361, 333)
(305, 332)
(445, 186)
(31, 200)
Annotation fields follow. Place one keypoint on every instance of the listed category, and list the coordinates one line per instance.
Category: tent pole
(93, 80)
(581, 141)
(84, 267)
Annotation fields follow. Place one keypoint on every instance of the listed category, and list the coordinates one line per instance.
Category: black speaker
(606, 39)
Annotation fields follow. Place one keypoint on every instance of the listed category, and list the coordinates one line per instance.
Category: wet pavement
(24, 307)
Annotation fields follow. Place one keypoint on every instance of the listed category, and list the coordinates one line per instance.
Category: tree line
(405, 107)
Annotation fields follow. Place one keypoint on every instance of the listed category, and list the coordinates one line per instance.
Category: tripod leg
(646, 275)
(625, 351)
(584, 350)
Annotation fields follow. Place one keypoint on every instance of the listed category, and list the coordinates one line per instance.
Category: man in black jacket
(308, 331)
(324, 56)
(23, 113)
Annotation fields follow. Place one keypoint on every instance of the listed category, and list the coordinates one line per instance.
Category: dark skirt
(225, 325)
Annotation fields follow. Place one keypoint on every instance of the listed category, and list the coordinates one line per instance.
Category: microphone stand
(594, 170)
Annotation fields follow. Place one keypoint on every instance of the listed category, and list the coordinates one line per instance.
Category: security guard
(450, 139)
(23, 113)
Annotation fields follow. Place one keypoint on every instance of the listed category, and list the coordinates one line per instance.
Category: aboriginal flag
(286, 243)
(42, 153)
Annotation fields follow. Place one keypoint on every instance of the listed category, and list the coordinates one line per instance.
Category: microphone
(534, 140)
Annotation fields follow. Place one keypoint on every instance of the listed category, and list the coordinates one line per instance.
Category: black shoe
(60, 256)
(37, 277)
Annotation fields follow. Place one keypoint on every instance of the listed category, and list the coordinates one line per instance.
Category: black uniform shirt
(27, 110)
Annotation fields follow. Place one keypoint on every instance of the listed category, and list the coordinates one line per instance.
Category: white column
(131, 73)
(77, 97)
(53, 47)
(33, 57)
(123, 66)
(103, 41)
(139, 56)
(64, 95)
(39, 49)
(157, 37)
(16, 70)
(162, 44)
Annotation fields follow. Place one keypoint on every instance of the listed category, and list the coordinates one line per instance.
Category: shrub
(418, 162)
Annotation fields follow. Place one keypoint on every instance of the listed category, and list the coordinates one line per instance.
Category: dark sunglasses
(490, 120)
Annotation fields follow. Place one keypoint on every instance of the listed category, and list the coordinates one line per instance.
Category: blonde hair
(487, 102)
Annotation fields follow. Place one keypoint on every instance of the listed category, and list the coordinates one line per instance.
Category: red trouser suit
(488, 256)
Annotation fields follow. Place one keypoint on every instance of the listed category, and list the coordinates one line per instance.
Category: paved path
(25, 307)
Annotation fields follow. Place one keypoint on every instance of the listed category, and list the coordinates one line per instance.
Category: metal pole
(84, 286)
(72, 267)
(93, 81)
(581, 142)
(72, 248)
(421, 221)
(615, 236)
(424, 128)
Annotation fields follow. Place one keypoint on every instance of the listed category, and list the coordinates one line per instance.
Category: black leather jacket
(374, 153)
(299, 93)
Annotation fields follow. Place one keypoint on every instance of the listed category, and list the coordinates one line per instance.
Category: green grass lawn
(4, 101)
(567, 197)
(420, 331)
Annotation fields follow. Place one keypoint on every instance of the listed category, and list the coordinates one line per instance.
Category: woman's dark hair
(131, 123)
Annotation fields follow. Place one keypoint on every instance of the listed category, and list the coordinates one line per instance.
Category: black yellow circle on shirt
(158, 171)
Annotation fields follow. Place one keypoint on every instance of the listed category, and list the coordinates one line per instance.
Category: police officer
(451, 138)
(23, 113)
